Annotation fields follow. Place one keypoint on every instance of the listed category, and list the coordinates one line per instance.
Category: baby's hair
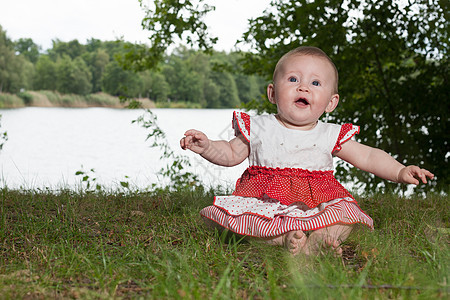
(309, 51)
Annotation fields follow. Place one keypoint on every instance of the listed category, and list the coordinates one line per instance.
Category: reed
(178, 104)
(55, 99)
(10, 101)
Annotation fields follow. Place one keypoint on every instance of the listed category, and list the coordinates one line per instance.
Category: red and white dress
(290, 183)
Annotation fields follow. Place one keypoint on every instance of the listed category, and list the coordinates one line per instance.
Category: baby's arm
(221, 153)
(381, 164)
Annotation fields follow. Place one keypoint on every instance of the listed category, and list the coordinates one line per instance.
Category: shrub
(26, 97)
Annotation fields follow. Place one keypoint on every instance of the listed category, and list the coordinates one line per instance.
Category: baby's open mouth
(302, 101)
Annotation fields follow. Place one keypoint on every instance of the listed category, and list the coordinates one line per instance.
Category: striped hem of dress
(256, 226)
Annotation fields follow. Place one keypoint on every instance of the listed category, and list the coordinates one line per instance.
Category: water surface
(47, 146)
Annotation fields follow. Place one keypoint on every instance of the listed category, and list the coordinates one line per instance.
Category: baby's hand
(195, 141)
(411, 174)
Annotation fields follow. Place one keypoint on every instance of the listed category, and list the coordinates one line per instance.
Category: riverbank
(127, 245)
(55, 99)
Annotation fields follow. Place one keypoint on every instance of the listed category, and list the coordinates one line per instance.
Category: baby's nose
(302, 88)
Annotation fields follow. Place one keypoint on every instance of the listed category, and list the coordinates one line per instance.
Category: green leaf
(124, 184)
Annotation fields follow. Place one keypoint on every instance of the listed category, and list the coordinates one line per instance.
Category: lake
(47, 146)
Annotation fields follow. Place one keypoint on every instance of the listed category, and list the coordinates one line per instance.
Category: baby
(289, 195)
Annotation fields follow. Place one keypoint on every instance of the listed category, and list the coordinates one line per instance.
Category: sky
(107, 20)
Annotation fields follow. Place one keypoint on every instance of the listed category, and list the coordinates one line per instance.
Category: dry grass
(55, 99)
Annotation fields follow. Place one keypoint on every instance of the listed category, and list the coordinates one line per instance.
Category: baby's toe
(295, 242)
(335, 246)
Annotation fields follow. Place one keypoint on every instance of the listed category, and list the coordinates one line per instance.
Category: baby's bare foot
(316, 246)
(328, 238)
(334, 245)
(295, 241)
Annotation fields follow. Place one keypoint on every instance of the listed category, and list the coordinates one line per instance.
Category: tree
(72, 49)
(211, 91)
(22, 78)
(119, 82)
(92, 45)
(169, 21)
(45, 77)
(15, 71)
(249, 87)
(392, 57)
(185, 84)
(97, 64)
(228, 93)
(155, 86)
(73, 76)
(28, 49)
(6, 57)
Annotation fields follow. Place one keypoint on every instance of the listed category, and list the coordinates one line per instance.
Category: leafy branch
(169, 21)
(175, 171)
(3, 136)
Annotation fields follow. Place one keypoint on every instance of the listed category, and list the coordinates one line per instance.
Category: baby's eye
(292, 79)
(316, 83)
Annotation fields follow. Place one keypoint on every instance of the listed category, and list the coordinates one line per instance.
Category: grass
(105, 245)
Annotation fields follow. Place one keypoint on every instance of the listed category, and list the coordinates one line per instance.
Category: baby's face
(303, 91)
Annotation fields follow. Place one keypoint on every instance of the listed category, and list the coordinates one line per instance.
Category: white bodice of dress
(273, 145)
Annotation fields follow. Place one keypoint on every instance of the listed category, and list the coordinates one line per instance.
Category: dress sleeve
(241, 124)
(348, 130)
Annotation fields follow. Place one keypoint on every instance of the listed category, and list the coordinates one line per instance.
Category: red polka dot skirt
(269, 202)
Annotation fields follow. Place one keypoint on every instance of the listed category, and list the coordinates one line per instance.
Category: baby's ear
(271, 93)
(333, 103)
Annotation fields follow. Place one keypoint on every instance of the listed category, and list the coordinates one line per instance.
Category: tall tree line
(392, 58)
(71, 67)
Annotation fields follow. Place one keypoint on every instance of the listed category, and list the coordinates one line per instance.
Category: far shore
(55, 99)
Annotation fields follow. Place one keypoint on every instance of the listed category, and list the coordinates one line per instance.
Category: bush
(26, 97)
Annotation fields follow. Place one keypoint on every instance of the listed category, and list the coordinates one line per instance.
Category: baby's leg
(331, 236)
(294, 241)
